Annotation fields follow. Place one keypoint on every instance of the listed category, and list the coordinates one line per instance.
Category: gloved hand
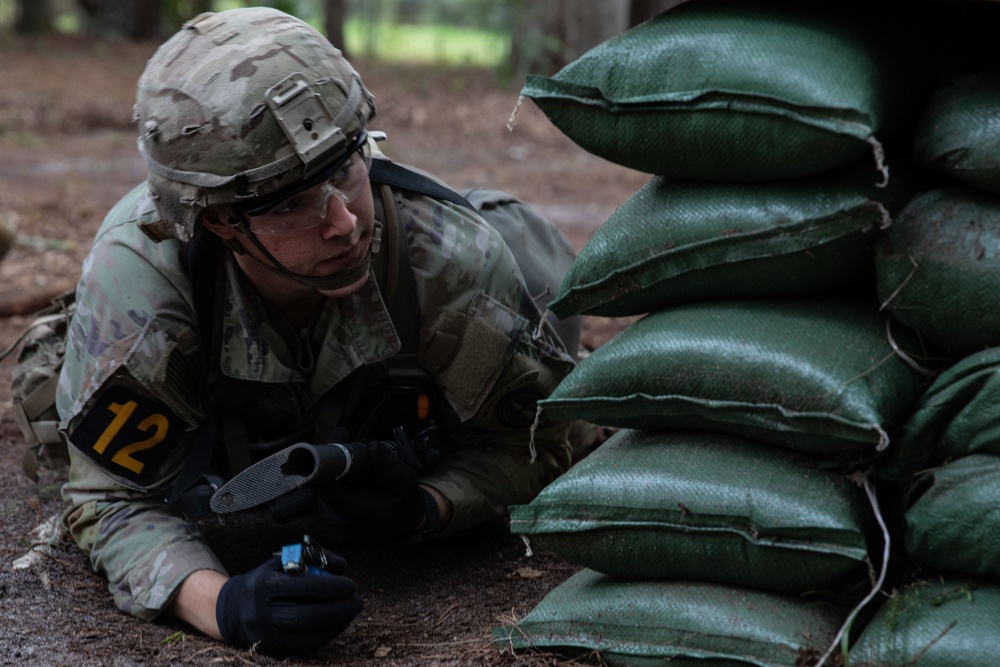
(284, 613)
(387, 498)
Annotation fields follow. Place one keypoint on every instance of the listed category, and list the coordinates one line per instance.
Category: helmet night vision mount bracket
(305, 119)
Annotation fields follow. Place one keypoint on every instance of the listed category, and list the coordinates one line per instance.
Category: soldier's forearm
(481, 483)
(196, 600)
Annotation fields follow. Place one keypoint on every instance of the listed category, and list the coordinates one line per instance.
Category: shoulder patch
(517, 410)
(128, 434)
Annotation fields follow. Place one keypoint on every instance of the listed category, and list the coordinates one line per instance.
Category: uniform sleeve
(502, 457)
(143, 548)
(128, 400)
(492, 359)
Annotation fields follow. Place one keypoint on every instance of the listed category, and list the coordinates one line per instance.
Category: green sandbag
(952, 522)
(676, 623)
(959, 132)
(703, 506)
(818, 375)
(946, 622)
(938, 266)
(959, 415)
(726, 90)
(674, 242)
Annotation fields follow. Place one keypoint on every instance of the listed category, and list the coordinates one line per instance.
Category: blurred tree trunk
(176, 14)
(643, 10)
(147, 18)
(548, 34)
(33, 17)
(133, 19)
(333, 23)
(587, 24)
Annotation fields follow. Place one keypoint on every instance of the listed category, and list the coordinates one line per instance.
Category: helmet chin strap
(319, 283)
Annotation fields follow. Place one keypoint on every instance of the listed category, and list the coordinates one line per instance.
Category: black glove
(387, 499)
(284, 613)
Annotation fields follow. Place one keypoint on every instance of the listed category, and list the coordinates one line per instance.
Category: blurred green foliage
(446, 32)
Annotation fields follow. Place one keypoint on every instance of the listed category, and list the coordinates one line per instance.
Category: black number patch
(128, 435)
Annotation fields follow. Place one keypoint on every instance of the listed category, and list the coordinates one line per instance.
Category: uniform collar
(350, 332)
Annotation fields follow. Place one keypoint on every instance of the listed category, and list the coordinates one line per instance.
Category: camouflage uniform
(133, 373)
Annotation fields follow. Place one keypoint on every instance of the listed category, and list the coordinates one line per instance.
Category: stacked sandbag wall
(937, 270)
(946, 463)
(771, 372)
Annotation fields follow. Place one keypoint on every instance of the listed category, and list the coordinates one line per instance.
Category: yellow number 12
(123, 456)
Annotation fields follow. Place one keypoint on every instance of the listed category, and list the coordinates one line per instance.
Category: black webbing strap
(397, 275)
(394, 175)
(194, 486)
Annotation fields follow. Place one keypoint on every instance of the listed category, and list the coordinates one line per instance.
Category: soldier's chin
(348, 290)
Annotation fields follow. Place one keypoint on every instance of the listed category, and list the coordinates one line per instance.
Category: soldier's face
(337, 244)
(322, 244)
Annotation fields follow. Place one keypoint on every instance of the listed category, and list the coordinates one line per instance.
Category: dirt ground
(67, 152)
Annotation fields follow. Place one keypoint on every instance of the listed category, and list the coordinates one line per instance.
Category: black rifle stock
(288, 470)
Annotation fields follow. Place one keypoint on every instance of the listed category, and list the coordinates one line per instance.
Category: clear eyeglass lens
(308, 209)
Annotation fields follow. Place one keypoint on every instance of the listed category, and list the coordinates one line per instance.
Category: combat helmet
(239, 105)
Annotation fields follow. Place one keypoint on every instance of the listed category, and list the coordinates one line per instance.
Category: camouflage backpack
(33, 384)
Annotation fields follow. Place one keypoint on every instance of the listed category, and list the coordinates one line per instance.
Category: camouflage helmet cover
(211, 106)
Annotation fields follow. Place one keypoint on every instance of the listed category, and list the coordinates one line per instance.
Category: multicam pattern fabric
(200, 110)
(133, 352)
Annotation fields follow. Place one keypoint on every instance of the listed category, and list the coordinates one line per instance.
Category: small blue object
(291, 558)
(297, 559)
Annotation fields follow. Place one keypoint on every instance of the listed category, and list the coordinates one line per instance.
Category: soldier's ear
(220, 224)
(215, 222)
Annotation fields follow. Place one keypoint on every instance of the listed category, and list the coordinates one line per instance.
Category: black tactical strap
(403, 312)
(194, 486)
(394, 175)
